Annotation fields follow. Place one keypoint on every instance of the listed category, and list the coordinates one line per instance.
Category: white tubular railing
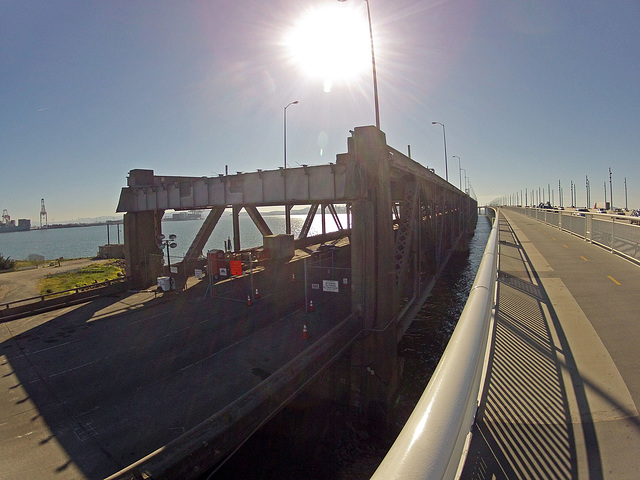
(431, 444)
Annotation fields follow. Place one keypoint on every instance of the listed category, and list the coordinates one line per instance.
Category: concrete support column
(143, 258)
(375, 373)
(236, 227)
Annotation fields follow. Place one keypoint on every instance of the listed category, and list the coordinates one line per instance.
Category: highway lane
(96, 395)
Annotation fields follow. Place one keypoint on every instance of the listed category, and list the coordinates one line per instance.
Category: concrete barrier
(44, 303)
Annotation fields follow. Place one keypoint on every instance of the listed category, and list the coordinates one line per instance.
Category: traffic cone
(257, 294)
(249, 303)
(305, 334)
(310, 306)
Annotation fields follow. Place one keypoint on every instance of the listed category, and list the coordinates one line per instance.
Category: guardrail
(431, 444)
(50, 301)
(618, 233)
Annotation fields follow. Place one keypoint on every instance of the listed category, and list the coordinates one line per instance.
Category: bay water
(83, 242)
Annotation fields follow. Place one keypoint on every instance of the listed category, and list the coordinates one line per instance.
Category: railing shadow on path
(524, 425)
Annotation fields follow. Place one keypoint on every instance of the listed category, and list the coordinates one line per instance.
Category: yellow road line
(583, 258)
(564, 246)
(614, 280)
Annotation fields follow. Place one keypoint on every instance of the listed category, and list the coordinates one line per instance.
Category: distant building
(191, 215)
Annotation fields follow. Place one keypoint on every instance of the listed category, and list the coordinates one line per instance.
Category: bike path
(561, 392)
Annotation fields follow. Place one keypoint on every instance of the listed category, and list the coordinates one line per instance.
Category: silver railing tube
(431, 444)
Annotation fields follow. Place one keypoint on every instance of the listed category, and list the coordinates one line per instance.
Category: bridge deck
(562, 385)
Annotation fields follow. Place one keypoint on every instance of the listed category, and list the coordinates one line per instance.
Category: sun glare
(331, 43)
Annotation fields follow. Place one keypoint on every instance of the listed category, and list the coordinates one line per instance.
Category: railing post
(613, 231)
(560, 219)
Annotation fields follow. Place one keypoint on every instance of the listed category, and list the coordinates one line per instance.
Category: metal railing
(431, 445)
(619, 234)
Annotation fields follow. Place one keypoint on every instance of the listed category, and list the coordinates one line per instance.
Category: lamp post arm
(285, 130)
(373, 67)
(446, 160)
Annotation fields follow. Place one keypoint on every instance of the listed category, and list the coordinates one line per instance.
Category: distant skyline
(530, 93)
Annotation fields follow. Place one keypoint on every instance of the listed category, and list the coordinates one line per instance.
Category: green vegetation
(22, 264)
(92, 274)
(6, 263)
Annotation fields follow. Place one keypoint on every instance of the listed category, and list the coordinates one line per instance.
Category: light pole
(610, 188)
(373, 67)
(459, 169)
(170, 243)
(446, 163)
(465, 181)
(285, 131)
(588, 189)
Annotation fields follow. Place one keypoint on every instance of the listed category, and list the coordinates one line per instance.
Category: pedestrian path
(562, 387)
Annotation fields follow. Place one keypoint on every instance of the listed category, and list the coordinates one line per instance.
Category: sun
(330, 43)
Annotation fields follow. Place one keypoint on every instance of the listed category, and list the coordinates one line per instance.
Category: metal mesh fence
(619, 233)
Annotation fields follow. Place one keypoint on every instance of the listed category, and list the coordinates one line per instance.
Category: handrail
(431, 444)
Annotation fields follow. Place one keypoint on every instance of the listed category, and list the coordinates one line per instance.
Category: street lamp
(610, 188)
(459, 169)
(168, 243)
(285, 131)
(373, 67)
(446, 163)
(466, 190)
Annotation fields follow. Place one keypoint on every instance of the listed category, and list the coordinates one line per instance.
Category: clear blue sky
(530, 92)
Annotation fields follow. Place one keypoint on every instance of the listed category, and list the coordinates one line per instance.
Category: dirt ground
(24, 284)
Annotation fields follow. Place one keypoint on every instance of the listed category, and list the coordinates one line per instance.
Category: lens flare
(331, 44)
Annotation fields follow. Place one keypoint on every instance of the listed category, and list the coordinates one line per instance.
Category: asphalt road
(87, 390)
(23, 284)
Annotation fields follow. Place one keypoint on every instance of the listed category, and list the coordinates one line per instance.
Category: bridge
(199, 374)
(558, 394)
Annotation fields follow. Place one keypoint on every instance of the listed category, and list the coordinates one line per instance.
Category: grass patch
(89, 275)
(25, 264)
(22, 264)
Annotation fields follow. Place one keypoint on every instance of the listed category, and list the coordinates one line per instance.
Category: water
(83, 242)
(80, 242)
(315, 439)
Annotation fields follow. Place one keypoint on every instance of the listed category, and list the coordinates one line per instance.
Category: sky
(531, 93)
